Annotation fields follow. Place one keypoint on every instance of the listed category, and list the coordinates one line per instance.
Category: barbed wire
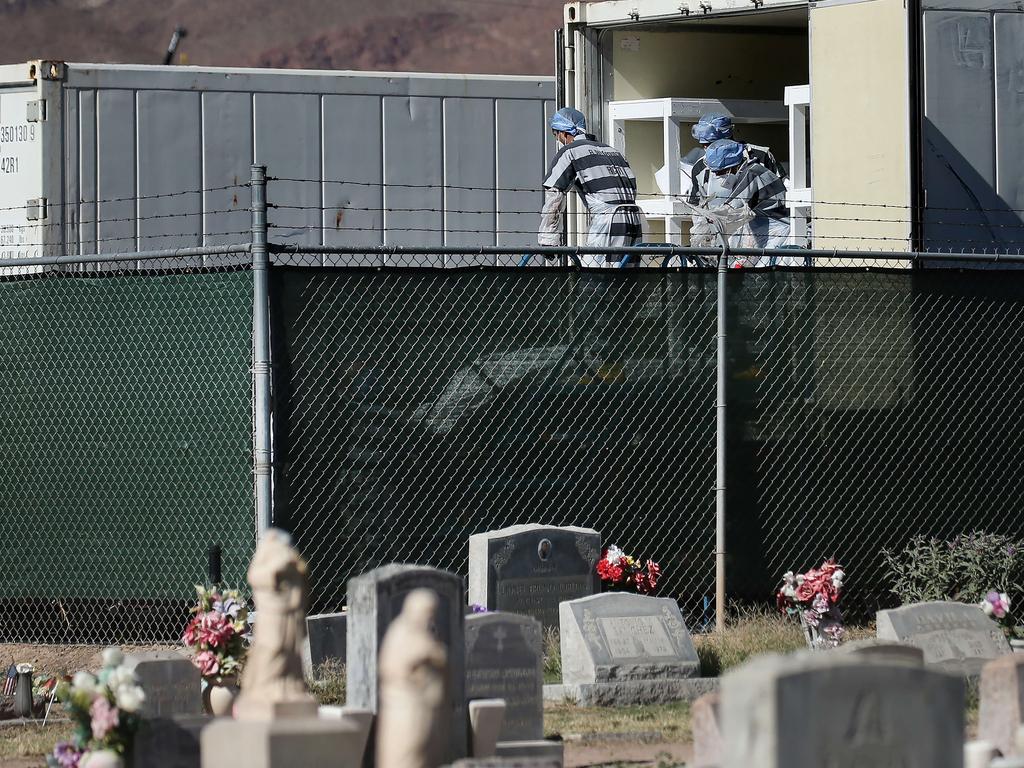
(131, 219)
(124, 238)
(133, 198)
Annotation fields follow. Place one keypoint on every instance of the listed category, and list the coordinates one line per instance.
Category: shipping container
(114, 158)
(902, 117)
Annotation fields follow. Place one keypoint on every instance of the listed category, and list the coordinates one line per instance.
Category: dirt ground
(592, 754)
(57, 659)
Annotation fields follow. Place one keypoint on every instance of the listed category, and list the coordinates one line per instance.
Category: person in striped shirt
(714, 127)
(737, 181)
(602, 177)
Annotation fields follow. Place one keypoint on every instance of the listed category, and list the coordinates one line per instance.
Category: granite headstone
(883, 649)
(327, 634)
(504, 660)
(530, 569)
(171, 682)
(1001, 713)
(625, 648)
(375, 599)
(168, 742)
(955, 637)
(706, 724)
(813, 710)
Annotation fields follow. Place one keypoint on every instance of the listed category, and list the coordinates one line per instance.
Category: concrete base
(547, 751)
(297, 743)
(629, 692)
(168, 742)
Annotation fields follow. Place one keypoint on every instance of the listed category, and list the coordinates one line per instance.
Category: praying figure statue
(412, 731)
(273, 685)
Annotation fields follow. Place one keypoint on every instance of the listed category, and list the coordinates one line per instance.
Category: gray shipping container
(113, 158)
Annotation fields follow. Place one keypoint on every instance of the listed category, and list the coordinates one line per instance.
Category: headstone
(486, 717)
(814, 710)
(633, 649)
(375, 599)
(551, 751)
(504, 660)
(168, 742)
(530, 569)
(883, 650)
(327, 633)
(955, 637)
(1001, 712)
(172, 684)
(706, 724)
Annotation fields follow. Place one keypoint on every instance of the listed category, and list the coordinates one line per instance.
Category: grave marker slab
(814, 710)
(530, 569)
(168, 742)
(1001, 713)
(375, 599)
(630, 648)
(326, 636)
(955, 637)
(172, 684)
(504, 660)
(706, 723)
(883, 649)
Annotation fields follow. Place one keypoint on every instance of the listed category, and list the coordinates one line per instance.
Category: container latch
(35, 111)
(35, 209)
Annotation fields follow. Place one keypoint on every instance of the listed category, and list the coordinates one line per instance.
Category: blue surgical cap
(569, 120)
(724, 153)
(712, 127)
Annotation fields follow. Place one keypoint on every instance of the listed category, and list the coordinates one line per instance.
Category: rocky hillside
(486, 36)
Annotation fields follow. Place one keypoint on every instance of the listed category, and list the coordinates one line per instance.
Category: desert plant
(964, 568)
(328, 683)
(552, 656)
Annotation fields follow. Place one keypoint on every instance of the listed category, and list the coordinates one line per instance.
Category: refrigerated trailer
(115, 158)
(909, 136)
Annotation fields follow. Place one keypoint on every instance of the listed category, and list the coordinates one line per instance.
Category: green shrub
(963, 569)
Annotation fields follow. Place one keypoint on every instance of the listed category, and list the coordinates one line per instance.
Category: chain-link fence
(126, 422)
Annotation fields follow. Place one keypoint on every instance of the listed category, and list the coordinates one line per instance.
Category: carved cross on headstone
(500, 634)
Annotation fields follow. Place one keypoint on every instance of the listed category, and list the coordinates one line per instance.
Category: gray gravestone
(813, 710)
(530, 569)
(706, 724)
(883, 650)
(504, 660)
(327, 634)
(374, 600)
(172, 684)
(634, 649)
(168, 742)
(1001, 712)
(955, 637)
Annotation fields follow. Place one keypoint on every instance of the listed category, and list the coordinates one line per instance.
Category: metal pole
(723, 266)
(261, 351)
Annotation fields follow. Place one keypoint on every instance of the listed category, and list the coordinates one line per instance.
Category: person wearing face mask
(603, 179)
(738, 181)
(714, 127)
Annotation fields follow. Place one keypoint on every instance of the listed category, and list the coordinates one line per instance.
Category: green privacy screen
(415, 408)
(125, 448)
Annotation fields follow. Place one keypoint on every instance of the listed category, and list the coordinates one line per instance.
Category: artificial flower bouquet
(814, 598)
(218, 632)
(619, 571)
(996, 606)
(104, 709)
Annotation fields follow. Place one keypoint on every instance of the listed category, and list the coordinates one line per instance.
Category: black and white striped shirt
(598, 172)
(701, 173)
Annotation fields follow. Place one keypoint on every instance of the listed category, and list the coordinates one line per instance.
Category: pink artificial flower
(215, 629)
(811, 618)
(820, 604)
(104, 717)
(207, 662)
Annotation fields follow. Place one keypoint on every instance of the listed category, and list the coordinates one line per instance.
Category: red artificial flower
(609, 572)
(214, 629)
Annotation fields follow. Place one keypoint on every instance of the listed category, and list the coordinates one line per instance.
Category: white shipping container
(115, 158)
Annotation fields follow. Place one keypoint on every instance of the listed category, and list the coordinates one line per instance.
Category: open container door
(972, 160)
(861, 125)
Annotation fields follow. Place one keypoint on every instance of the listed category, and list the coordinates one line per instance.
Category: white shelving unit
(673, 114)
(799, 195)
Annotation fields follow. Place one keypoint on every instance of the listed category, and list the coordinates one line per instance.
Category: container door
(860, 124)
(972, 161)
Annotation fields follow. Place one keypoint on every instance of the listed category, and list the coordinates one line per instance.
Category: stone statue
(272, 682)
(412, 731)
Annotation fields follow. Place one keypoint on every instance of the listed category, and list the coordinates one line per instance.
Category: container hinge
(35, 209)
(570, 58)
(50, 70)
(35, 111)
(757, 3)
(634, 15)
(685, 10)
(705, 8)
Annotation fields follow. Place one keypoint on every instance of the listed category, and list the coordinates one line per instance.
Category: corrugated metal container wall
(421, 158)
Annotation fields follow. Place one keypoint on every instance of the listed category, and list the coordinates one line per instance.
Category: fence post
(261, 351)
(720, 446)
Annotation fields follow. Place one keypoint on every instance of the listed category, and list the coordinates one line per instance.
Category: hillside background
(485, 36)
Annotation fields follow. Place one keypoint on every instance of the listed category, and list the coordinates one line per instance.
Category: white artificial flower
(987, 607)
(25, 667)
(112, 657)
(837, 578)
(800, 579)
(614, 554)
(789, 577)
(84, 682)
(1006, 599)
(789, 591)
(129, 697)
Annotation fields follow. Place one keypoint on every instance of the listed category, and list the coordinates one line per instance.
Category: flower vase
(219, 694)
(101, 758)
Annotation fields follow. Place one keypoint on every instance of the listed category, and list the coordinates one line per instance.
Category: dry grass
(32, 740)
(328, 684)
(552, 656)
(659, 723)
